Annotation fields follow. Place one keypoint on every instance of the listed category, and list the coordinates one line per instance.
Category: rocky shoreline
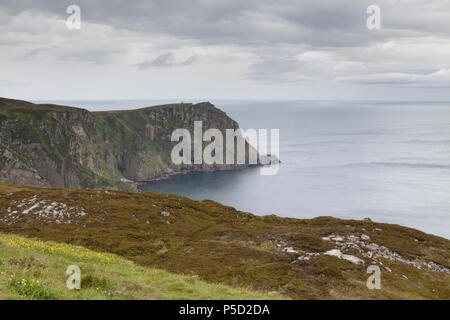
(66, 147)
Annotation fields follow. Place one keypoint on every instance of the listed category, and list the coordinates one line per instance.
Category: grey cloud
(438, 78)
(272, 70)
(13, 83)
(166, 60)
(98, 56)
(265, 37)
(252, 22)
(40, 50)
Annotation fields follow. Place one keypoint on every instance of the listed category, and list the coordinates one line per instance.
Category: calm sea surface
(387, 161)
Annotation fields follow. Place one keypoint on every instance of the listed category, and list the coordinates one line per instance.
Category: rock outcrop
(58, 146)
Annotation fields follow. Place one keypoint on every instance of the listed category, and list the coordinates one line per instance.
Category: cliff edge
(57, 146)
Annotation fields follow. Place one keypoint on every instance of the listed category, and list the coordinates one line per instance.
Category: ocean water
(388, 161)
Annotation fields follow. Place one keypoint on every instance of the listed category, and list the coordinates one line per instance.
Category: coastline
(172, 175)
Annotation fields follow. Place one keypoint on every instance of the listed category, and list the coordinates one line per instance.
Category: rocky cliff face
(49, 145)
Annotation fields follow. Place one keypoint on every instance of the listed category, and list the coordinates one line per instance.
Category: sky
(225, 49)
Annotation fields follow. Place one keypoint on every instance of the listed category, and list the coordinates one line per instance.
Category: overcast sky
(225, 49)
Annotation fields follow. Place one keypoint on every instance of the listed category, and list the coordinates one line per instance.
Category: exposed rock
(42, 210)
(337, 253)
(290, 250)
(48, 145)
(375, 251)
(165, 213)
(367, 250)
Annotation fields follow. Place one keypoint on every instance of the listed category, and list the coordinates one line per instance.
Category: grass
(34, 269)
(219, 244)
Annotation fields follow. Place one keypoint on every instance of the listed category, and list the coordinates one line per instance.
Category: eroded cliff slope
(58, 146)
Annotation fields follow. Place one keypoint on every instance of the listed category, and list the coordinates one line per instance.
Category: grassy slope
(33, 269)
(222, 245)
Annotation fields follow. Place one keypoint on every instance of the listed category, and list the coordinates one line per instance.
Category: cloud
(285, 44)
(256, 22)
(166, 60)
(13, 83)
(439, 78)
(271, 70)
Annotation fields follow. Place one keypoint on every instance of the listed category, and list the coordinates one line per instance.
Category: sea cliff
(58, 146)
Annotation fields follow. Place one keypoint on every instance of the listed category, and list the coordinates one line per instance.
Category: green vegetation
(218, 244)
(196, 242)
(74, 148)
(33, 269)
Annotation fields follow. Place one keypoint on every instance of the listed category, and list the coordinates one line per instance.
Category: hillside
(33, 269)
(57, 146)
(322, 258)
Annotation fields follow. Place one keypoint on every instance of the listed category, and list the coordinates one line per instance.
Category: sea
(383, 160)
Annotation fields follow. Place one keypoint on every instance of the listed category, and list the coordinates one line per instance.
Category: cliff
(49, 145)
